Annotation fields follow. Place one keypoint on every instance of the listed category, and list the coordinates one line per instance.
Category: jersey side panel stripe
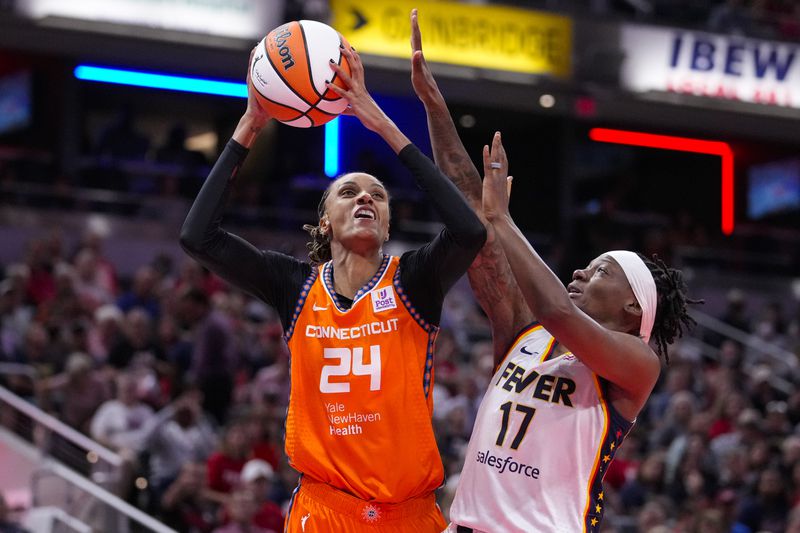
(522, 334)
(597, 460)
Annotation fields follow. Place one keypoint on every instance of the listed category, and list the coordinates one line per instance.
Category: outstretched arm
(267, 275)
(622, 359)
(362, 105)
(490, 275)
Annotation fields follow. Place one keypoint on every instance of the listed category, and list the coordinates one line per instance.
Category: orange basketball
(290, 68)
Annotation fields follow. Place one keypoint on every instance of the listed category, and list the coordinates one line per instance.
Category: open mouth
(364, 213)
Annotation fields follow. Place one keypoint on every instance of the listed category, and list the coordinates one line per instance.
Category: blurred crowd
(188, 381)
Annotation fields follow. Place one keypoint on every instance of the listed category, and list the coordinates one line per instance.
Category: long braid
(319, 247)
(672, 314)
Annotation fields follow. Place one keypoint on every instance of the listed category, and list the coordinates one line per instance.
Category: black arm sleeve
(272, 277)
(429, 272)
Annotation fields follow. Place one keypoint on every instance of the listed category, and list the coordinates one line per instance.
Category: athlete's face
(601, 290)
(357, 211)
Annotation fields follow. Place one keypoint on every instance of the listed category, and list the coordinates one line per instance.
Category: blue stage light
(160, 81)
(203, 86)
(332, 148)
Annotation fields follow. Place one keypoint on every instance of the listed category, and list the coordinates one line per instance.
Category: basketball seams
(333, 79)
(272, 104)
(308, 63)
(288, 100)
(283, 78)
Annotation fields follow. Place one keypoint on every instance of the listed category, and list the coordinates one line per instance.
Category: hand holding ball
(290, 70)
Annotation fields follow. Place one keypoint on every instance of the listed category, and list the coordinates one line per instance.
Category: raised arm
(622, 359)
(430, 271)
(490, 275)
(266, 275)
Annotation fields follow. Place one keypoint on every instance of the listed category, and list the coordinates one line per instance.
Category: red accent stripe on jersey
(551, 347)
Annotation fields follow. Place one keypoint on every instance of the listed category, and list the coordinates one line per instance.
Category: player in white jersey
(568, 384)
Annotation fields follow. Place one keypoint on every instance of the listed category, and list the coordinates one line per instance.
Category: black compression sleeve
(273, 277)
(429, 272)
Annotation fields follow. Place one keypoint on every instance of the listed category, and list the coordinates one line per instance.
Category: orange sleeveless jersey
(361, 401)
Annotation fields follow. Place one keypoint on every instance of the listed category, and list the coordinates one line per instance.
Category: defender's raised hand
(421, 77)
(496, 181)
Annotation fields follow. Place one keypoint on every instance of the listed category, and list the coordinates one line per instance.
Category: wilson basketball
(289, 71)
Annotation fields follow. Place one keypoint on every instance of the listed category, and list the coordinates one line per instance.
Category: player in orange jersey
(360, 326)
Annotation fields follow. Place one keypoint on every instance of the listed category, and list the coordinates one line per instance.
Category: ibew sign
(706, 64)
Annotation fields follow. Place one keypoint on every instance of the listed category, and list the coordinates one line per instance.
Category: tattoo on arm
(451, 156)
(498, 294)
(490, 275)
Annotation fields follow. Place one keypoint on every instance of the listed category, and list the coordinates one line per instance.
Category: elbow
(555, 312)
(188, 241)
(477, 234)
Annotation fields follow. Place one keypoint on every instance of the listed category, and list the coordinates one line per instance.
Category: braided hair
(319, 247)
(672, 315)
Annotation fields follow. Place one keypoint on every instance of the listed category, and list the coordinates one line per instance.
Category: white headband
(644, 287)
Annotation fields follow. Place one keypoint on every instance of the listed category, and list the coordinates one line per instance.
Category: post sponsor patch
(383, 299)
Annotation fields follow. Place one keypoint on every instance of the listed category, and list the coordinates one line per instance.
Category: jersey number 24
(350, 362)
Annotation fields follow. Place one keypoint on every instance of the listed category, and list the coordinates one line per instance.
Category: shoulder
(287, 263)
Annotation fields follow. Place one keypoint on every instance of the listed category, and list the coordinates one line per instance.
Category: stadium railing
(74, 473)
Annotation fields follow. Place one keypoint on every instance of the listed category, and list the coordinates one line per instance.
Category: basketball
(290, 69)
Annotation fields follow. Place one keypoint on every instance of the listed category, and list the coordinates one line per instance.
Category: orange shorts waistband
(369, 511)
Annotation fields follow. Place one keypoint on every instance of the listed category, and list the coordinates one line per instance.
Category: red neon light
(681, 144)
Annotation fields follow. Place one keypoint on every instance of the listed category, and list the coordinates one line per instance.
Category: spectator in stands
(41, 285)
(652, 515)
(256, 477)
(6, 524)
(242, 507)
(14, 316)
(184, 436)
(136, 343)
(676, 422)
(648, 482)
(768, 508)
(225, 464)
(185, 505)
(265, 441)
(106, 332)
(79, 391)
(177, 350)
(120, 423)
(94, 239)
(143, 293)
(213, 352)
(66, 304)
(36, 352)
(92, 290)
(747, 432)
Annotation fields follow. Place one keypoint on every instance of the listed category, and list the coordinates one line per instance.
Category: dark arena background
(667, 127)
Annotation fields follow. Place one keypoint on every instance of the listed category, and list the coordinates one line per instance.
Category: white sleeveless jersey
(542, 442)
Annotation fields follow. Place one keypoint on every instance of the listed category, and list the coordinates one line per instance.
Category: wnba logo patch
(383, 299)
(370, 514)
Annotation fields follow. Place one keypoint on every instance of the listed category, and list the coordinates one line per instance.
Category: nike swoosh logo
(318, 308)
(525, 351)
